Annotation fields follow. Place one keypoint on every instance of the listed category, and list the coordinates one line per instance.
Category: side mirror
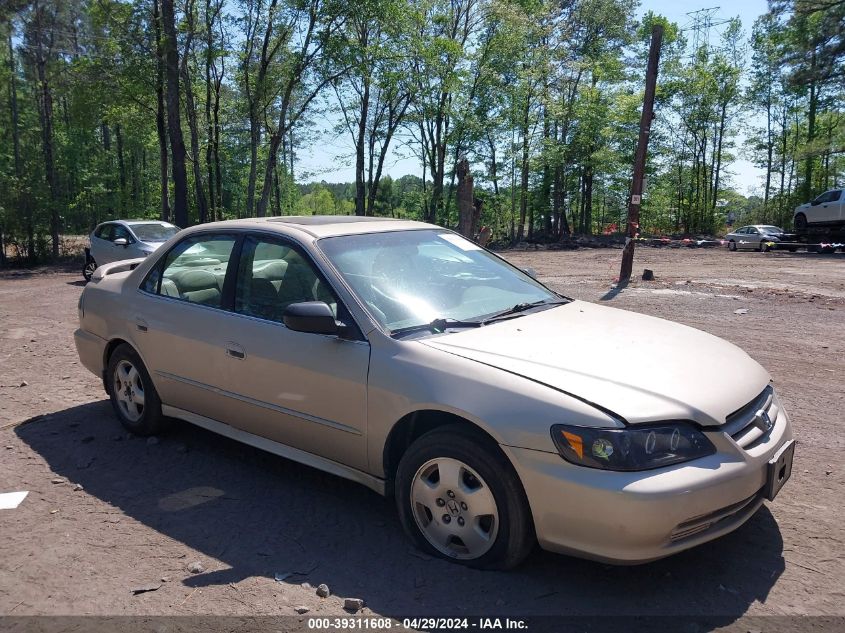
(313, 317)
(530, 272)
(121, 241)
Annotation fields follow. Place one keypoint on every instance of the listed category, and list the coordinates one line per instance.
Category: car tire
(800, 222)
(793, 249)
(732, 246)
(133, 394)
(88, 269)
(489, 524)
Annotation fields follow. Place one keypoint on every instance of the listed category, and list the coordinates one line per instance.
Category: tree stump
(467, 215)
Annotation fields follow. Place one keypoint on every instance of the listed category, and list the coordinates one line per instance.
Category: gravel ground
(208, 526)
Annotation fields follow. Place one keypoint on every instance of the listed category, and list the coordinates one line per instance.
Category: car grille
(747, 426)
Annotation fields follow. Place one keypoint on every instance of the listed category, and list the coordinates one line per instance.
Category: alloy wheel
(129, 390)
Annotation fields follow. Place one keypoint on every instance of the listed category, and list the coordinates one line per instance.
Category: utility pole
(639, 157)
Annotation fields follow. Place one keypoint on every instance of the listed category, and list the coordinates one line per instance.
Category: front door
(828, 208)
(304, 390)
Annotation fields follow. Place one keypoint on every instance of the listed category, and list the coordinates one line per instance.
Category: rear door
(839, 206)
(183, 322)
(304, 390)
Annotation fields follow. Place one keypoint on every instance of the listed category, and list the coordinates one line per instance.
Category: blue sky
(330, 157)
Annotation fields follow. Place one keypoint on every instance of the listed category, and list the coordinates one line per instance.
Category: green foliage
(542, 96)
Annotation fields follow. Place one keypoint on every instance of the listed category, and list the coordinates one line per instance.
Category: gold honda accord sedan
(498, 413)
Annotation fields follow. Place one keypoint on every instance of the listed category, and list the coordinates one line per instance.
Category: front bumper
(629, 518)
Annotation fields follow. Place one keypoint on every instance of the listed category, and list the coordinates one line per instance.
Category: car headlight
(631, 448)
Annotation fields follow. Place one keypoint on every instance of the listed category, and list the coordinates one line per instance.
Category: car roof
(134, 222)
(318, 226)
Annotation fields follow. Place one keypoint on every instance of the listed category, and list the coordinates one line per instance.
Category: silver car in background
(125, 239)
(757, 237)
(498, 413)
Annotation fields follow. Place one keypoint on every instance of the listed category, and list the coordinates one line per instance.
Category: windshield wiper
(437, 326)
(519, 308)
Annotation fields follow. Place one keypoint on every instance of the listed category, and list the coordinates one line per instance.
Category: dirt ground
(148, 510)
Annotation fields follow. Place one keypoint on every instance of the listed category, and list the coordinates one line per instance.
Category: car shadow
(262, 515)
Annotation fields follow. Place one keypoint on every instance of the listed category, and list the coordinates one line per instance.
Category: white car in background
(125, 239)
(827, 209)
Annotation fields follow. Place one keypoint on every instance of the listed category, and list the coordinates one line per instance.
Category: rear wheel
(132, 393)
(88, 269)
(800, 222)
(460, 499)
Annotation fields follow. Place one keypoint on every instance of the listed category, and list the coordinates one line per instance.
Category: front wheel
(731, 246)
(88, 269)
(800, 222)
(460, 499)
(132, 393)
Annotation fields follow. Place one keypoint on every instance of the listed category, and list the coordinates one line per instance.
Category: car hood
(639, 367)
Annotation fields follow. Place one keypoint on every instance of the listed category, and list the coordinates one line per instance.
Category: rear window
(154, 232)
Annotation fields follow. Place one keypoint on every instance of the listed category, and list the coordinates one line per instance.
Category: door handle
(234, 350)
(141, 325)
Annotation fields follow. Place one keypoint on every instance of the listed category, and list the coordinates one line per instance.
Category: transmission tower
(700, 23)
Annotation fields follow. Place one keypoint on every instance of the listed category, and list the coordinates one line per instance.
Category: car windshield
(412, 278)
(154, 232)
(771, 229)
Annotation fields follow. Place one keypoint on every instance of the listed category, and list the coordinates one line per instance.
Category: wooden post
(639, 158)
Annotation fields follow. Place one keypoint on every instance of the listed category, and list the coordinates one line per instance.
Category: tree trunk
(13, 109)
(272, 157)
(588, 197)
(523, 185)
(174, 121)
(45, 112)
(161, 127)
(254, 140)
(360, 147)
(466, 207)
(209, 143)
(121, 166)
(193, 127)
(769, 153)
(811, 130)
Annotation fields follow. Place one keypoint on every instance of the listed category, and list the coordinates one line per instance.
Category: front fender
(407, 377)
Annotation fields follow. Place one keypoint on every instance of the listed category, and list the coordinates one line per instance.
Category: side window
(194, 270)
(120, 231)
(834, 197)
(103, 232)
(273, 275)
